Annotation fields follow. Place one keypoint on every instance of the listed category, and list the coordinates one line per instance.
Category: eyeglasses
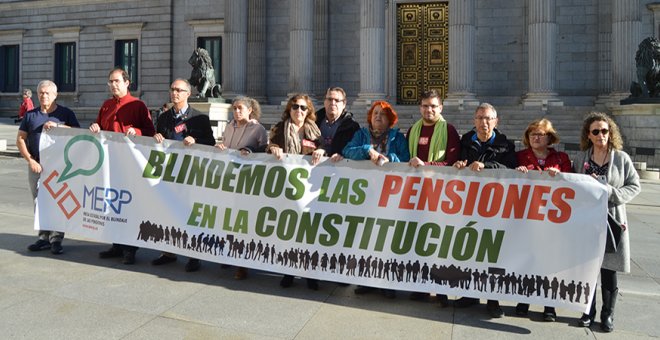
(301, 107)
(178, 90)
(114, 81)
(484, 118)
(595, 132)
(334, 100)
(537, 135)
(433, 107)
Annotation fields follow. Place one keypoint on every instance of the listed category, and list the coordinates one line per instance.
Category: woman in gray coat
(604, 160)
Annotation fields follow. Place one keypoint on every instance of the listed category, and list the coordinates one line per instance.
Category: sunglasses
(301, 107)
(595, 132)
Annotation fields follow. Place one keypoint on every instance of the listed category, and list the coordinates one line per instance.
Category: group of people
(333, 132)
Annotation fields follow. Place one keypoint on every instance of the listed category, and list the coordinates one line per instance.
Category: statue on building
(202, 76)
(647, 59)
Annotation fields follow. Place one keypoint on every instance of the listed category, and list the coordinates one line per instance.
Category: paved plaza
(79, 296)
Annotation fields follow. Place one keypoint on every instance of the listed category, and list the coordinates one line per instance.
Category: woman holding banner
(539, 156)
(379, 143)
(604, 160)
(297, 133)
(246, 134)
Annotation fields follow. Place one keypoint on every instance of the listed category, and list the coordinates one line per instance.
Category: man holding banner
(182, 123)
(125, 114)
(484, 147)
(432, 141)
(49, 115)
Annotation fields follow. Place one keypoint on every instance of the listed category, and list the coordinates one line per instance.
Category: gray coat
(623, 186)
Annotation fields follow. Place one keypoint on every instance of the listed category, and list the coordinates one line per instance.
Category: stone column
(655, 8)
(234, 51)
(626, 35)
(604, 53)
(256, 49)
(372, 52)
(462, 45)
(321, 48)
(542, 40)
(301, 46)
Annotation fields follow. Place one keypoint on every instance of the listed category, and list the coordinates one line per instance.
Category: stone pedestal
(639, 125)
(220, 113)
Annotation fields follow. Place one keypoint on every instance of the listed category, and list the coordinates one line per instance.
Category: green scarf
(438, 140)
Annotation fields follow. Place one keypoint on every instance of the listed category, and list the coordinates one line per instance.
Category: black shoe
(389, 293)
(586, 320)
(607, 323)
(443, 300)
(522, 309)
(287, 281)
(466, 302)
(56, 248)
(193, 265)
(360, 290)
(494, 309)
(39, 245)
(549, 314)
(163, 259)
(418, 296)
(313, 284)
(129, 257)
(114, 251)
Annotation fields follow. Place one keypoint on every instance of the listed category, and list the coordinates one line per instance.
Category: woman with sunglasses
(604, 160)
(539, 156)
(297, 133)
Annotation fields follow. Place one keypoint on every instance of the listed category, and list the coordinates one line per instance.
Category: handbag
(614, 231)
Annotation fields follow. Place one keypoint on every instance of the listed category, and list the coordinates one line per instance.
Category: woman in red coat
(538, 138)
(26, 105)
(540, 156)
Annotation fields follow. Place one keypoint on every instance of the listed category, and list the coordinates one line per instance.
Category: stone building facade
(527, 57)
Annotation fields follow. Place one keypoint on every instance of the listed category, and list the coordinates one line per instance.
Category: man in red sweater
(128, 115)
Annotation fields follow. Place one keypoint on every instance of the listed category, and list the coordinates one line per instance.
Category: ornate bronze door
(422, 53)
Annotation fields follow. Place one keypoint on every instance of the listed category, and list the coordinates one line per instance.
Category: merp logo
(100, 199)
(81, 170)
(83, 145)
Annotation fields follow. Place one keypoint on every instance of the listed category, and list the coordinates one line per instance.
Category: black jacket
(345, 131)
(197, 125)
(498, 154)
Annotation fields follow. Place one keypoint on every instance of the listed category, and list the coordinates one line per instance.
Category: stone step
(649, 174)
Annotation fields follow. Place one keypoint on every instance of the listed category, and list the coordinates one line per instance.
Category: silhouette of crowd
(493, 280)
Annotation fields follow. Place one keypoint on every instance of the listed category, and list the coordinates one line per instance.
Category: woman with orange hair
(379, 142)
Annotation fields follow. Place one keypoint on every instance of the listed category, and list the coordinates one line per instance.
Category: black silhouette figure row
(495, 280)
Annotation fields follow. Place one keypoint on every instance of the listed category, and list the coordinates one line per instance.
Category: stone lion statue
(647, 59)
(202, 76)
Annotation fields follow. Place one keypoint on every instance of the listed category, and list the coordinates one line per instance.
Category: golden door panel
(422, 56)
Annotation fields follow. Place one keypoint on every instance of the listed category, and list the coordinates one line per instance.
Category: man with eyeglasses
(484, 147)
(432, 141)
(336, 124)
(125, 114)
(182, 123)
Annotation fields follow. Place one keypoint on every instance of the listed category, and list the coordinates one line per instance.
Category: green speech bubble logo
(67, 173)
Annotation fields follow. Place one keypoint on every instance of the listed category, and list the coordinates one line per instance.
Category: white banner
(496, 234)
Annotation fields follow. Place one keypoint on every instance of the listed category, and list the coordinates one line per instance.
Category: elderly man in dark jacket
(484, 147)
